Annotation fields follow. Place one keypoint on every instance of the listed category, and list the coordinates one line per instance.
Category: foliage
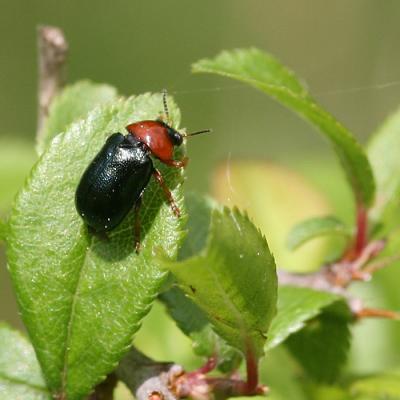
(296, 306)
(187, 315)
(72, 104)
(195, 324)
(20, 375)
(383, 155)
(69, 283)
(315, 227)
(256, 186)
(82, 297)
(322, 347)
(233, 280)
(266, 73)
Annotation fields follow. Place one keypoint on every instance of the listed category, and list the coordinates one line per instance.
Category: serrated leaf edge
(61, 138)
(204, 252)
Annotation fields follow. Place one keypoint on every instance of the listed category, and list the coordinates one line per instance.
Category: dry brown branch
(52, 54)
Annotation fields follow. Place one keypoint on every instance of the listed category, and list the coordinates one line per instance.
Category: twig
(382, 263)
(151, 380)
(210, 365)
(377, 313)
(52, 54)
(336, 278)
(146, 378)
(317, 280)
(105, 390)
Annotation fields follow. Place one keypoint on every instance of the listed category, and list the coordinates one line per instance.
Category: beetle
(115, 180)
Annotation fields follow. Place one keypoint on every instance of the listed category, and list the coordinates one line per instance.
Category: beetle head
(175, 136)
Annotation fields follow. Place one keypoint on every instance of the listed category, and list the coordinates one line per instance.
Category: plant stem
(360, 237)
(105, 390)
(52, 54)
(252, 372)
(362, 228)
(377, 313)
(210, 364)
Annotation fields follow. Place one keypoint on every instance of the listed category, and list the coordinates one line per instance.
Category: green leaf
(296, 306)
(315, 227)
(194, 323)
(199, 209)
(20, 374)
(379, 387)
(384, 156)
(82, 297)
(276, 198)
(233, 280)
(263, 71)
(323, 345)
(73, 103)
(188, 316)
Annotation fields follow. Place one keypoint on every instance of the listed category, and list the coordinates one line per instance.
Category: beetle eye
(175, 136)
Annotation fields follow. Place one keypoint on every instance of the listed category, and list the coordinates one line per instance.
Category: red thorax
(155, 135)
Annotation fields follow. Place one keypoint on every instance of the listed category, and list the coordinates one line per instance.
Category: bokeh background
(346, 51)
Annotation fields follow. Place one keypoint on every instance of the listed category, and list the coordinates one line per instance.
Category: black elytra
(113, 182)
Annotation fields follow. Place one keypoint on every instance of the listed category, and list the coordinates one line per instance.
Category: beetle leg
(137, 224)
(177, 163)
(160, 180)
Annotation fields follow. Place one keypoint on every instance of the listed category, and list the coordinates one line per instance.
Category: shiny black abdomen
(113, 182)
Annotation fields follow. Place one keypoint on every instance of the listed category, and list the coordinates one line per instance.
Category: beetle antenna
(166, 112)
(197, 132)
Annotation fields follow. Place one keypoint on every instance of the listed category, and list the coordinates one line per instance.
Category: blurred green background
(346, 51)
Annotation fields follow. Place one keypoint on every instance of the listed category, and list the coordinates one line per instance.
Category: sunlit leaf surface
(233, 280)
(82, 297)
